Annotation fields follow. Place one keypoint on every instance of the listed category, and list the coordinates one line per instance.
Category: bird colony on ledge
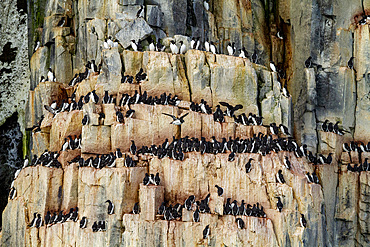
(247, 172)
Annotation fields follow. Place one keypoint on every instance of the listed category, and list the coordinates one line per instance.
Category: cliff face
(336, 208)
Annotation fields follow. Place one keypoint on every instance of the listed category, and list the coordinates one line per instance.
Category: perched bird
(196, 215)
(133, 45)
(284, 130)
(51, 75)
(308, 62)
(146, 180)
(182, 47)
(206, 5)
(162, 209)
(151, 44)
(212, 48)
(273, 67)
(83, 222)
(350, 63)
(279, 204)
(303, 221)
(243, 53)
(248, 165)
(110, 207)
(231, 157)
(231, 49)
(157, 180)
(309, 178)
(160, 47)
(280, 177)
(133, 148)
(206, 45)
(85, 120)
(140, 13)
(240, 223)
(136, 209)
(287, 163)
(119, 116)
(173, 47)
(279, 34)
(220, 191)
(206, 232)
(176, 121)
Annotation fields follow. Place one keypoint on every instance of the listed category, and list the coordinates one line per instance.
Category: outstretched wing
(173, 117)
(237, 107)
(225, 104)
(182, 117)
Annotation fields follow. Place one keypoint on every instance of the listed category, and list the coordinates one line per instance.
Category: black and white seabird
(243, 53)
(157, 179)
(308, 62)
(176, 121)
(12, 193)
(280, 35)
(240, 223)
(50, 75)
(33, 222)
(248, 166)
(279, 204)
(119, 116)
(315, 178)
(280, 177)
(220, 191)
(206, 232)
(287, 163)
(231, 157)
(212, 48)
(146, 180)
(273, 67)
(207, 45)
(285, 91)
(274, 130)
(83, 222)
(94, 97)
(284, 130)
(303, 221)
(151, 44)
(133, 148)
(133, 45)
(196, 215)
(110, 207)
(140, 12)
(162, 209)
(231, 49)
(350, 63)
(182, 47)
(160, 47)
(230, 110)
(85, 120)
(136, 209)
(173, 47)
(309, 177)
(206, 5)
(37, 45)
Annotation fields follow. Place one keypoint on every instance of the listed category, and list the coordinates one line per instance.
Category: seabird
(157, 180)
(47, 218)
(162, 209)
(279, 35)
(160, 47)
(220, 191)
(119, 116)
(274, 130)
(350, 63)
(206, 4)
(255, 57)
(33, 222)
(212, 48)
(231, 109)
(308, 62)
(133, 148)
(206, 45)
(146, 180)
(280, 177)
(285, 91)
(309, 178)
(83, 222)
(37, 46)
(177, 121)
(61, 22)
(174, 48)
(240, 223)
(129, 113)
(12, 193)
(287, 163)
(85, 120)
(272, 66)
(42, 79)
(140, 12)
(279, 204)
(248, 166)
(196, 215)
(206, 232)
(136, 209)
(50, 75)
(38, 221)
(94, 97)
(110, 207)
(105, 44)
(133, 45)
(284, 130)
(243, 53)
(231, 157)
(231, 49)
(315, 178)
(106, 98)
(151, 44)
(303, 221)
(182, 48)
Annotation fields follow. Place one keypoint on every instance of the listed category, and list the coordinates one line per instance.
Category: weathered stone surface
(240, 87)
(166, 73)
(96, 139)
(150, 197)
(64, 124)
(136, 30)
(132, 62)
(154, 16)
(110, 78)
(39, 64)
(40, 142)
(131, 2)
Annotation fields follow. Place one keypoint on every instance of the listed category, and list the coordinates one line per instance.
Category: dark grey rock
(131, 2)
(129, 12)
(136, 30)
(154, 16)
